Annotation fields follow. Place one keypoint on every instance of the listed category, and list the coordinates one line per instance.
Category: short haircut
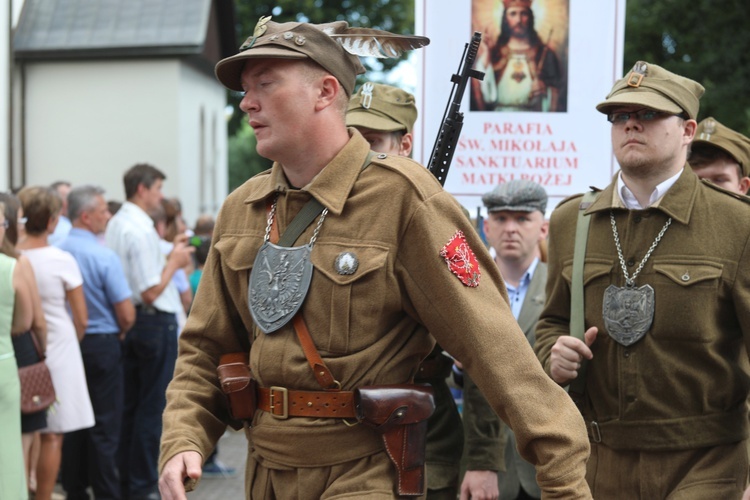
(141, 173)
(82, 199)
(204, 226)
(40, 205)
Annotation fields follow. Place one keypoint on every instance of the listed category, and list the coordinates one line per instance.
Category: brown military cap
(381, 107)
(293, 41)
(656, 88)
(518, 195)
(711, 133)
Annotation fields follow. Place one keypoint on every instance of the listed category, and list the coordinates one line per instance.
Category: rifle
(453, 119)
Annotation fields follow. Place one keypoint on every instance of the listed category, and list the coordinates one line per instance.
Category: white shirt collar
(629, 200)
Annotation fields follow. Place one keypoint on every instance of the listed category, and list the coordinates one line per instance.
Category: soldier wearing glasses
(666, 307)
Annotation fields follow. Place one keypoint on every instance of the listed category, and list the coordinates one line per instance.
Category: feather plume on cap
(369, 42)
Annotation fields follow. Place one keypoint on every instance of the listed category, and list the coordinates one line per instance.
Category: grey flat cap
(518, 195)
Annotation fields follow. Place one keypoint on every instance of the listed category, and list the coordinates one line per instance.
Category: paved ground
(232, 453)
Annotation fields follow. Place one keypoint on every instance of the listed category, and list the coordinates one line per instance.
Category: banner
(547, 64)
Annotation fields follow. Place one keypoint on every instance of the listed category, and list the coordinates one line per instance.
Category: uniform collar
(677, 202)
(331, 187)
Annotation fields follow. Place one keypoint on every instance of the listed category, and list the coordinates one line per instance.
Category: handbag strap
(577, 324)
(39, 351)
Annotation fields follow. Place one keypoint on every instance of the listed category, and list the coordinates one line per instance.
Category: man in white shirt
(150, 348)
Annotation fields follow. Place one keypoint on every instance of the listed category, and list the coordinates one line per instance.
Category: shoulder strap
(577, 324)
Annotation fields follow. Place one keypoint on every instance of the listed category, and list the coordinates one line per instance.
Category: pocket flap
(367, 258)
(688, 273)
(592, 269)
(238, 252)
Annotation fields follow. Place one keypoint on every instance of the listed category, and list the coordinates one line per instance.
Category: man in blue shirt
(89, 455)
(515, 228)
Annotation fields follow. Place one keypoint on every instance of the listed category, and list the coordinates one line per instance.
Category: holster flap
(237, 383)
(383, 407)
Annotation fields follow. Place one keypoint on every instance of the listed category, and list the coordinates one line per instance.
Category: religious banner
(547, 63)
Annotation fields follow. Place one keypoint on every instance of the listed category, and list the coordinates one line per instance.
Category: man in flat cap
(329, 270)
(721, 155)
(522, 71)
(665, 306)
(514, 227)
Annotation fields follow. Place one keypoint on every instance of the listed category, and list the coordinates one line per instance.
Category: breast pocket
(596, 278)
(349, 289)
(686, 296)
(237, 257)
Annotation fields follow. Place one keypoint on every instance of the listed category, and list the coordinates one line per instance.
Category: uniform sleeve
(196, 411)
(485, 440)
(554, 320)
(475, 325)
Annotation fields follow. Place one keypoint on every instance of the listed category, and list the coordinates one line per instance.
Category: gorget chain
(630, 280)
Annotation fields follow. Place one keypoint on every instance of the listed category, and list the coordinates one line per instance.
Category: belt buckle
(284, 402)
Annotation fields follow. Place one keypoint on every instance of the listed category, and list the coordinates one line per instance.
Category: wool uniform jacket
(371, 326)
(684, 384)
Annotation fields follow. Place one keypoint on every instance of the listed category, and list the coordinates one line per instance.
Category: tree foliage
(705, 40)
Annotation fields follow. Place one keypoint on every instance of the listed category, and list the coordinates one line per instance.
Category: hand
(568, 353)
(538, 88)
(480, 485)
(746, 495)
(185, 466)
(181, 251)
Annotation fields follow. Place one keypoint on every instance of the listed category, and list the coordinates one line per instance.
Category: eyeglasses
(642, 115)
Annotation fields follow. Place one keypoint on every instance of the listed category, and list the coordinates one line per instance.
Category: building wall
(89, 121)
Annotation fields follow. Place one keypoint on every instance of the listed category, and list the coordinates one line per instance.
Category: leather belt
(283, 403)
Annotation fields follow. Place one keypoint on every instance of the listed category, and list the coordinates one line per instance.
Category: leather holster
(400, 413)
(238, 385)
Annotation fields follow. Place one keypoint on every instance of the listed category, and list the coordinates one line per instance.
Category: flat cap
(381, 107)
(656, 88)
(518, 195)
(712, 134)
(293, 41)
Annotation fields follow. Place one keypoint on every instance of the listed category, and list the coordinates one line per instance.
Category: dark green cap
(711, 133)
(382, 107)
(654, 87)
(518, 195)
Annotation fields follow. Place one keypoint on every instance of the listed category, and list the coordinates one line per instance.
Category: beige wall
(89, 121)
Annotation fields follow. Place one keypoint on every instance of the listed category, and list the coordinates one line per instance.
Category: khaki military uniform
(370, 327)
(489, 444)
(682, 386)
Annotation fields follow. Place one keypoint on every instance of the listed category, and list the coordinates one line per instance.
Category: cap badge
(637, 73)
(346, 263)
(461, 260)
(288, 35)
(260, 29)
(709, 127)
(300, 40)
(366, 98)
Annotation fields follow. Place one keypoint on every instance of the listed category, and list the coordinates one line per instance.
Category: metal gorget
(629, 311)
(280, 279)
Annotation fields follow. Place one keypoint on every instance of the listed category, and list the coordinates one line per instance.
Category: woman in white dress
(60, 285)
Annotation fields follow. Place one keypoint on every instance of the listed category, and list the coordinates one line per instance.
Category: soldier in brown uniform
(721, 155)
(385, 116)
(667, 306)
(390, 258)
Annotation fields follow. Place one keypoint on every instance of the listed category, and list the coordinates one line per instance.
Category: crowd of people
(72, 298)
(342, 287)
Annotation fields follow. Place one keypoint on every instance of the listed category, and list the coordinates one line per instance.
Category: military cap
(711, 133)
(518, 195)
(381, 107)
(293, 41)
(656, 88)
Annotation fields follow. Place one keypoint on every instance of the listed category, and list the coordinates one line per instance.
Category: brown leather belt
(283, 403)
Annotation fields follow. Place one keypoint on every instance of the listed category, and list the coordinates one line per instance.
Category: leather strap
(283, 403)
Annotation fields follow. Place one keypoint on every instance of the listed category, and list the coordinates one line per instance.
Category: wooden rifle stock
(453, 118)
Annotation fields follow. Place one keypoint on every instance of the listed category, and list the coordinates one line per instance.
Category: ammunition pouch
(238, 385)
(399, 413)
